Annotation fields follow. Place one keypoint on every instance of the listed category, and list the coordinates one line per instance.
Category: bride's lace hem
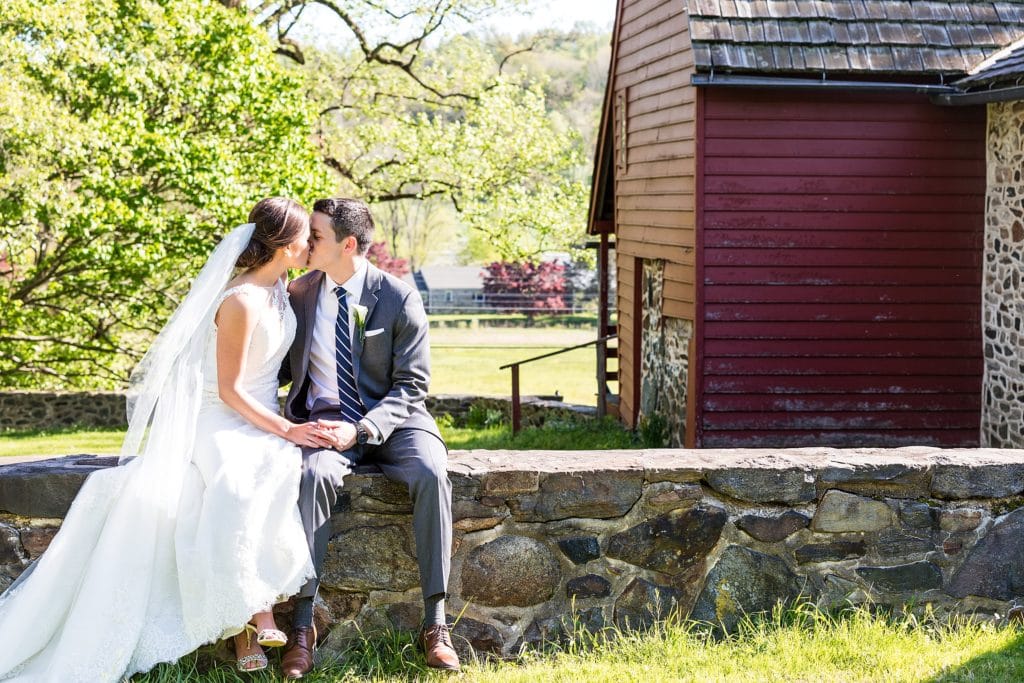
(233, 616)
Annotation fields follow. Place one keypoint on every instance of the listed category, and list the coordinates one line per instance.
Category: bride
(196, 534)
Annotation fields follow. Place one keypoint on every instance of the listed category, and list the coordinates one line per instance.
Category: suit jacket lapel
(369, 299)
(306, 326)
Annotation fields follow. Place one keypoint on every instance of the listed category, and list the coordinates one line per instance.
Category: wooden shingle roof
(869, 37)
(1004, 68)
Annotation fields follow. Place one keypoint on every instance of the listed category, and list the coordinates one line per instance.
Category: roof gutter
(960, 98)
(943, 95)
(737, 81)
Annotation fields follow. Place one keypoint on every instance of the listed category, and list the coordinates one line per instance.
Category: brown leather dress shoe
(297, 659)
(436, 642)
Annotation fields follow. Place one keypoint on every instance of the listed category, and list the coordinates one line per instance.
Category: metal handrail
(516, 412)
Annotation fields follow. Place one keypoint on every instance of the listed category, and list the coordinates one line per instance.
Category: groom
(360, 365)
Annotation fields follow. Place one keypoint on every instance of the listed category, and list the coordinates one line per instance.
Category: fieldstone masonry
(665, 358)
(53, 409)
(547, 541)
(1002, 422)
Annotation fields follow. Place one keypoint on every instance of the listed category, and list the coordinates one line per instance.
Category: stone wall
(48, 410)
(624, 537)
(664, 353)
(1002, 421)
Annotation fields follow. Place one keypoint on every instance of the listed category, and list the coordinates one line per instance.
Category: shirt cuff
(376, 438)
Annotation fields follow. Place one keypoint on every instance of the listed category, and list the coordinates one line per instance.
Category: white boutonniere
(360, 316)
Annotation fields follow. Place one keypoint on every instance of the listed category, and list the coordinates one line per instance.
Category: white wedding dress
(171, 549)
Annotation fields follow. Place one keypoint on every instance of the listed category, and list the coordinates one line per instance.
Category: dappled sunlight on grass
(800, 644)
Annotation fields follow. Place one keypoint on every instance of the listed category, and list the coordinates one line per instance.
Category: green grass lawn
(61, 442)
(581, 436)
(466, 361)
(806, 647)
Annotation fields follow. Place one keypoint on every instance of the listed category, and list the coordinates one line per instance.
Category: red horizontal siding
(841, 253)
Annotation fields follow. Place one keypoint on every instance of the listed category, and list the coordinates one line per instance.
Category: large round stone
(511, 570)
(643, 603)
(995, 566)
(744, 582)
(371, 558)
(672, 542)
(840, 511)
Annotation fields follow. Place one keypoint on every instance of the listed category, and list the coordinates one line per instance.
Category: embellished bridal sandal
(271, 637)
(255, 661)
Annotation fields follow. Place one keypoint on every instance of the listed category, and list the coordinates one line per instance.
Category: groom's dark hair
(348, 217)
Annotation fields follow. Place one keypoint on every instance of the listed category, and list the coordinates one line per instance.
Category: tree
(419, 229)
(526, 287)
(132, 136)
(410, 111)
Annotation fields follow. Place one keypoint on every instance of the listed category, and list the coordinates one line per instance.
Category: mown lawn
(803, 646)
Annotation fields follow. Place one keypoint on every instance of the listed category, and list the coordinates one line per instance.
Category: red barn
(796, 196)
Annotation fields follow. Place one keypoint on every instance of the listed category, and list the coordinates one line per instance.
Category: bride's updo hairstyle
(279, 221)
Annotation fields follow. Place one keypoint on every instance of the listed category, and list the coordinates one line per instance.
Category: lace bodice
(270, 341)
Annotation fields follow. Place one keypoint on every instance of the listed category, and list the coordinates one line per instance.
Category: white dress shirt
(323, 364)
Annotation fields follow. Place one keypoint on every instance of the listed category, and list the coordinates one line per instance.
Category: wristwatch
(362, 434)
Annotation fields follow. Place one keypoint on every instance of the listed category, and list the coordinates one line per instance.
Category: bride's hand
(307, 434)
(342, 435)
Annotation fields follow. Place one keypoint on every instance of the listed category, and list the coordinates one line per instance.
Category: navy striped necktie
(351, 406)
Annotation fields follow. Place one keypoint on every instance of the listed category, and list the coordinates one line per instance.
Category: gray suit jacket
(392, 368)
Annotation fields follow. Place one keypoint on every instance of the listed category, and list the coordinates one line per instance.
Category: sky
(321, 24)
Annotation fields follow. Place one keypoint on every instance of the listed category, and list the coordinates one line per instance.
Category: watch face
(362, 436)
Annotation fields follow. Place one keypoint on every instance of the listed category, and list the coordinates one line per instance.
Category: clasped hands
(323, 434)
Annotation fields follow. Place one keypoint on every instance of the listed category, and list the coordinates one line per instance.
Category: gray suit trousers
(413, 457)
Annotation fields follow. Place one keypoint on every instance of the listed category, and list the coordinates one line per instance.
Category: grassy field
(466, 361)
(582, 436)
(804, 647)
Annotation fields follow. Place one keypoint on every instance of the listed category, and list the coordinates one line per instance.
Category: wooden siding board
(832, 185)
(671, 237)
(873, 294)
(683, 310)
(675, 272)
(679, 65)
(639, 155)
(841, 130)
(639, 23)
(654, 52)
(815, 166)
(669, 185)
(658, 252)
(844, 149)
(823, 220)
(845, 277)
(654, 31)
(654, 219)
(848, 438)
(840, 270)
(678, 201)
(637, 9)
(772, 403)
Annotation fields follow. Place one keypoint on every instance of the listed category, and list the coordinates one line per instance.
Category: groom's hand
(341, 435)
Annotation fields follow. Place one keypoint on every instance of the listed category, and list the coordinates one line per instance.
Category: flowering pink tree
(380, 256)
(526, 287)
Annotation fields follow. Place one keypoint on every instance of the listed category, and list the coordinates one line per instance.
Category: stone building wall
(624, 537)
(106, 409)
(1002, 421)
(664, 353)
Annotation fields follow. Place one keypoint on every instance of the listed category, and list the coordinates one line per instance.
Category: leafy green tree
(133, 134)
(412, 110)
